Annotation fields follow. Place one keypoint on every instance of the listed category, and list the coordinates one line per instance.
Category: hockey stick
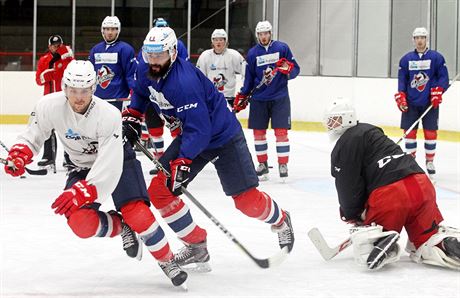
(263, 263)
(323, 248)
(423, 115)
(40, 172)
(253, 90)
(117, 99)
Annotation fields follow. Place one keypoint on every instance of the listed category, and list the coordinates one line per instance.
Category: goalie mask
(339, 116)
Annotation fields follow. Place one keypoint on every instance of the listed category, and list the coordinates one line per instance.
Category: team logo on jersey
(220, 81)
(419, 81)
(91, 148)
(267, 59)
(384, 161)
(72, 135)
(105, 76)
(159, 99)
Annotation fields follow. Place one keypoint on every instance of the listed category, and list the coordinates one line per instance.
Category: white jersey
(221, 69)
(92, 140)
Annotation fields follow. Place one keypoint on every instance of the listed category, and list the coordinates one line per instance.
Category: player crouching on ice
(90, 130)
(381, 190)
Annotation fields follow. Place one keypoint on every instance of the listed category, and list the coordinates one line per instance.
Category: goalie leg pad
(433, 252)
(373, 247)
(257, 204)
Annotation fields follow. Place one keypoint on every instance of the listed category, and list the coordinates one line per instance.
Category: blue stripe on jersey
(182, 222)
(276, 213)
(263, 147)
(104, 224)
(154, 237)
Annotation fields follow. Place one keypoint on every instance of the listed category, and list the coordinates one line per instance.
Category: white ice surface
(41, 257)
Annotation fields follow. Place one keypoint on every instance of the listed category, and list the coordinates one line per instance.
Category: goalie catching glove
(180, 171)
(132, 122)
(19, 156)
(81, 193)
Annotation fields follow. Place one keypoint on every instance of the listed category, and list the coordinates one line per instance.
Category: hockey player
(210, 133)
(270, 61)
(153, 121)
(90, 130)
(381, 190)
(422, 79)
(50, 69)
(221, 65)
(114, 63)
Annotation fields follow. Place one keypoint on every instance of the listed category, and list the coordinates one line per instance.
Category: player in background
(114, 63)
(221, 65)
(422, 79)
(155, 124)
(50, 69)
(90, 130)
(272, 61)
(210, 133)
(381, 190)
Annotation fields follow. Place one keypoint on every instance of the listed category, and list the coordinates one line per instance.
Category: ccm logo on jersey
(187, 107)
(383, 162)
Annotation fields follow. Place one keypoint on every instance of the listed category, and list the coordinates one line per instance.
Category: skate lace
(283, 168)
(284, 235)
(184, 254)
(170, 268)
(261, 167)
(430, 166)
(127, 236)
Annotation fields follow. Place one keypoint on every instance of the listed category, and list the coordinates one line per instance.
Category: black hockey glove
(132, 121)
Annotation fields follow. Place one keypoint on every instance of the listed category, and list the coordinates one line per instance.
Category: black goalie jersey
(363, 159)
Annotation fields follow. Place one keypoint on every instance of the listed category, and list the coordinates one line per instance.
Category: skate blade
(197, 268)
(184, 286)
(283, 179)
(264, 177)
(48, 167)
(139, 252)
(432, 179)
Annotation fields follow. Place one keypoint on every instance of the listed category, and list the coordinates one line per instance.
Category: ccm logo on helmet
(187, 107)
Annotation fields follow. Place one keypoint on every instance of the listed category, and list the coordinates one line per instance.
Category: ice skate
(385, 249)
(174, 272)
(451, 246)
(194, 257)
(262, 171)
(285, 233)
(431, 170)
(131, 243)
(47, 164)
(283, 170)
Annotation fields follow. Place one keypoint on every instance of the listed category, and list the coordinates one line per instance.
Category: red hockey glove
(180, 171)
(132, 121)
(240, 103)
(436, 96)
(81, 193)
(65, 52)
(401, 101)
(48, 75)
(284, 66)
(19, 156)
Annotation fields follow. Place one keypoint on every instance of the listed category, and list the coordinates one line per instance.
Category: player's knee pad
(156, 131)
(431, 252)
(412, 134)
(260, 134)
(84, 222)
(372, 248)
(137, 215)
(159, 193)
(253, 203)
(430, 134)
(281, 134)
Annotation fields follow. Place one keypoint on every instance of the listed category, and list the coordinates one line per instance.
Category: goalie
(381, 190)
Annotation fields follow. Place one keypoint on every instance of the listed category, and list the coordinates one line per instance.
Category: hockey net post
(262, 263)
(323, 248)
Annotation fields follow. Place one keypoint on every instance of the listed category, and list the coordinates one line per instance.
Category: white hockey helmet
(160, 39)
(339, 116)
(263, 26)
(160, 22)
(219, 33)
(79, 74)
(420, 31)
(111, 22)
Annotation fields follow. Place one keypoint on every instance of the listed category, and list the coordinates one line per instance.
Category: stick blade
(274, 260)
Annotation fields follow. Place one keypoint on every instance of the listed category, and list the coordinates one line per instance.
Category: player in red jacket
(50, 70)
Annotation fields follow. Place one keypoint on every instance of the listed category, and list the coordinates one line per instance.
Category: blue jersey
(260, 58)
(186, 97)
(417, 74)
(115, 65)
